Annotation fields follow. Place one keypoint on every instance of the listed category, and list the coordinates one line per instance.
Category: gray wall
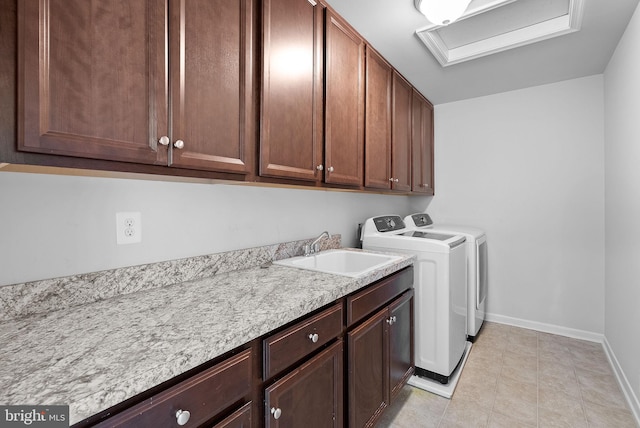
(527, 167)
(57, 225)
(622, 189)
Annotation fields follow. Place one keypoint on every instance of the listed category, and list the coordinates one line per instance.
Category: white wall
(54, 225)
(527, 166)
(622, 215)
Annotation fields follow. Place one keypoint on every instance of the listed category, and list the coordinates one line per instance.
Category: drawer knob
(320, 167)
(182, 416)
(276, 412)
(314, 337)
(330, 169)
(164, 140)
(179, 144)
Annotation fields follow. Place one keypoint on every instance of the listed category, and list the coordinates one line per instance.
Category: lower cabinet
(339, 366)
(380, 360)
(368, 364)
(309, 396)
(241, 418)
(401, 344)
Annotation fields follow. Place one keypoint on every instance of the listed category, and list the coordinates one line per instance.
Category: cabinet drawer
(203, 395)
(368, 300)
(283, 349)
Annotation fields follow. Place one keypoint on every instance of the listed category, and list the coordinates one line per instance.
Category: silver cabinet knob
(276, 412)
(330, 169)
(391, 179)
(394, 319)
(164, 140)
(179, 144)
(320, 167)
(314, 337)
(395, 180)
(182, 416)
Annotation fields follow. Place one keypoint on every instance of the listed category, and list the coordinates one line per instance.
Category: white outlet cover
(128, 228)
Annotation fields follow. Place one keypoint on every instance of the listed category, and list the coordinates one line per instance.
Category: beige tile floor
(516, 377)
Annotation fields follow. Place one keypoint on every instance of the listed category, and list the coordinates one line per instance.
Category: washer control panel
(422, 220)
(388, 223)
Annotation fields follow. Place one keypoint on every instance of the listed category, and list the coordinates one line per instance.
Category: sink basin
(340, 262)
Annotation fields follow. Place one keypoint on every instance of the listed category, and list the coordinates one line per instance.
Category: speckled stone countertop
(96, 355)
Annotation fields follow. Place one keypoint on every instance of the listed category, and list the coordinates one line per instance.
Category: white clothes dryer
(439, 286)
(477, 277)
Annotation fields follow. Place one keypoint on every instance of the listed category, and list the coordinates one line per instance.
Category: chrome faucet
(314, 247)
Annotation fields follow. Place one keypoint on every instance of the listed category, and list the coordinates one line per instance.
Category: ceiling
(390, 27)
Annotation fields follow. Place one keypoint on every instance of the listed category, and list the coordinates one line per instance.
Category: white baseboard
(546, 328)
(632, 399)
(630, 395)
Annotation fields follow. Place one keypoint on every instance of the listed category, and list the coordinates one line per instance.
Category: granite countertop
(94, 356)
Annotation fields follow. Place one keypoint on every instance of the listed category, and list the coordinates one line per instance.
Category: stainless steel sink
(340, 262)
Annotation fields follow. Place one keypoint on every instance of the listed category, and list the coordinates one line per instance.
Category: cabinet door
(92, 78)
(377, 163)
(368, 363)
(241, 418)
(291, 125)
(401, 134)
(311, 395)
(212, 85)
(344, 111)
(422, 145)
(401, 344)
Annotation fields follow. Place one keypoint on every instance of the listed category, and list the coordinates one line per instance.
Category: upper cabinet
(344, 103)
(291, 139)
(212, 85)
(88, 90)
(401, 134)
(283, 91)
(377, 164)
(422, 146)
(117, 81)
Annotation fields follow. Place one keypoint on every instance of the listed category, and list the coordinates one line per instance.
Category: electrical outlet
(128, 228)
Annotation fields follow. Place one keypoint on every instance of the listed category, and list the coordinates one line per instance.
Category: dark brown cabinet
(422, 145)
(380, 356)
(368, 366)
(344, 103)
(212, 85)
(377, 163)
(241, 418)
(145, 84)
(90, 91)
(291, 137)
(116, 81)
(401, 343)
(309, 396)
(401, 134)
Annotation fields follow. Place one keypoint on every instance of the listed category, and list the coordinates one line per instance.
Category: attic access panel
(492, 26)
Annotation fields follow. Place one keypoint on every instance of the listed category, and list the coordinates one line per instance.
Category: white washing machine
(439, 286)
(477, 278)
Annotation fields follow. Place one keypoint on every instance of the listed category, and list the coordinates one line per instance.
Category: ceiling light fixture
(442, 12)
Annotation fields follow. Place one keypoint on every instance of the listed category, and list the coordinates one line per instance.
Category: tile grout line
(495, 389)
